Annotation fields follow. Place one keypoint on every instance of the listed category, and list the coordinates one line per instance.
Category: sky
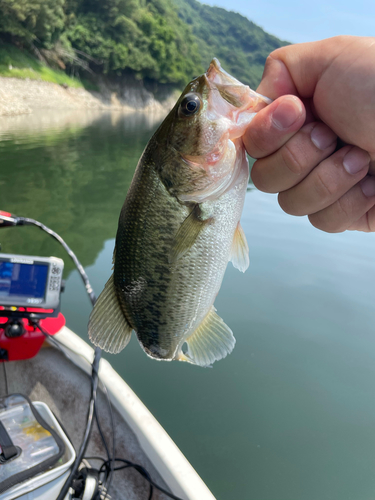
(297, 21)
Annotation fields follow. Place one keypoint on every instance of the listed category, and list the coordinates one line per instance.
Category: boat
(53, 367)
(62, 383)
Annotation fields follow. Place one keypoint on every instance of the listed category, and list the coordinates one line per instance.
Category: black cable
(106, 472)
(113, 440)
(5, 379)
(144, 473)
(90, 415)
(98, 352)
(96, 458)
(94, 387)
(111, 460)
(58, 345)
(109, 473)
(109, 465)
(102, 436)
(26, 221)
(50, 338)
(138, 468)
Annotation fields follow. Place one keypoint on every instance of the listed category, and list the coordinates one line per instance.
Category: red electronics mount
(28, 344)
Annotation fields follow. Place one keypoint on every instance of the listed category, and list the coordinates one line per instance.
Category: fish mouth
(232, 90)
(216, 74)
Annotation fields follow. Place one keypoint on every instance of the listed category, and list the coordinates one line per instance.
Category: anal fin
(108, 327)
(240, 250)
(211, 341)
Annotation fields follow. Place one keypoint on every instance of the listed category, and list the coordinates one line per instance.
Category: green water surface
(290, 414)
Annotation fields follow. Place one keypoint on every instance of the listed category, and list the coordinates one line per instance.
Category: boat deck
(52, 378)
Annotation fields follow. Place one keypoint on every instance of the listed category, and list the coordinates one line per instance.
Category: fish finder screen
(23, 281)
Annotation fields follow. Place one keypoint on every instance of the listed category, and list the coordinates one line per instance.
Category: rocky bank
(27, 96)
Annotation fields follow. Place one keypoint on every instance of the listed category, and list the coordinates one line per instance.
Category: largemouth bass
(180, 226)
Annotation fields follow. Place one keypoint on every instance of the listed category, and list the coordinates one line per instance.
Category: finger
(372, 164)
(311, 114)
(366, 223)
(276, 79)
(354, 210)
(328, 182)
(336, 73)
(296, 69)
(294, 161)
(273, 126)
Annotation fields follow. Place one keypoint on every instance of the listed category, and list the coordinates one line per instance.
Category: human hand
(334, 80)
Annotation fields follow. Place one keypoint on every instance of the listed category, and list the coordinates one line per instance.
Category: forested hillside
(241, 45)
(164, 41)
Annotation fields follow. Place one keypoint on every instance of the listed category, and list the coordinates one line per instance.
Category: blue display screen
(23, 281)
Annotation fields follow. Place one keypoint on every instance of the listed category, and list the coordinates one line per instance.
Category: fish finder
(30, 282)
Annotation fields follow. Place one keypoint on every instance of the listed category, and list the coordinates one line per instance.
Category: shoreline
(19, 97)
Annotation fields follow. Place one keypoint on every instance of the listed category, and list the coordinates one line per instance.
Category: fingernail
(368, 186)
(355, 160)
(287, 112)
(322, 136)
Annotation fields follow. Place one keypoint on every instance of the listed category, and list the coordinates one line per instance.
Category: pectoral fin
(108, 327)
(211, 341)
(187, 234)
(240, 250)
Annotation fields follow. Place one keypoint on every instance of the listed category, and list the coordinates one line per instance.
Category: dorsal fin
(211, 341)
(240, 250)
(108, 327)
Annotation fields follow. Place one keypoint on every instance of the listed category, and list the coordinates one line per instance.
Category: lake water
(290, 414)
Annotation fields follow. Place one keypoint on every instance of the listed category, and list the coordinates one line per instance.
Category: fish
(180, 226)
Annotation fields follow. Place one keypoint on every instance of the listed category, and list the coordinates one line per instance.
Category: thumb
(296, 69)
(276, 79)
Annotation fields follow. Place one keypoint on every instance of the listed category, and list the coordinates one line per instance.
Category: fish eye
(190, 105)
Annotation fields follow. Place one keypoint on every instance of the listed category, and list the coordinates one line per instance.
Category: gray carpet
(53, 379)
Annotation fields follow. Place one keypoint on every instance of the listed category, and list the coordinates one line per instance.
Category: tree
(30, 21)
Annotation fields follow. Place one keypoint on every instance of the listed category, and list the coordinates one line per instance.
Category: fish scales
(148, 222)
(179, 227)
(162, 297)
